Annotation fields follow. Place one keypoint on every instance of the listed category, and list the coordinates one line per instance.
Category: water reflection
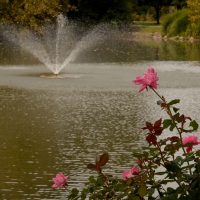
(44, 133)
(115, 49)
(50, 126)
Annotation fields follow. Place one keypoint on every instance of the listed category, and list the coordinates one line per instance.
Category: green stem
(157, 94)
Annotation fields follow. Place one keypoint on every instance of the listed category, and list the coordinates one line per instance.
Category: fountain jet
(59, 44)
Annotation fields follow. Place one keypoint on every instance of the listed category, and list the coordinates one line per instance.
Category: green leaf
(175, 109)
(175, 101)
(173, 197)
(74, 191)
(198, 153)
(100, 181)
(188, 167)
(187, 159)
(142, 190)
(190, 176)
(194, 125)
(172, 167)
(129, 181)
(166, 181)
(183, 198)
(172, 127)
(170, 190)
(91, 178)
(176, 116)
(120, 187)
(151, 192)
(133, 197)
(178, 159)
(167, 123)
(91, 189)
(193, 185)
(198, 167)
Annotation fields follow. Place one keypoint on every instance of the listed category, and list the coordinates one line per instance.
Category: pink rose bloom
(148, 79)
(59, 181)
(129, 173)
(190, 139)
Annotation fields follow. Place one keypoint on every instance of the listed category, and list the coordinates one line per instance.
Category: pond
(49, 126)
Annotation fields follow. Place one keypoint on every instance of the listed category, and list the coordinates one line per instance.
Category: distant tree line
(33, 13)
(106, 10)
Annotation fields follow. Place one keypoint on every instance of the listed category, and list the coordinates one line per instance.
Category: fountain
(59, 44)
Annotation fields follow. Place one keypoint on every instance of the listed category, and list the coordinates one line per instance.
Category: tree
(194, 17)
(156, 4)
(101, 10)
(32, 13)
(179, 4)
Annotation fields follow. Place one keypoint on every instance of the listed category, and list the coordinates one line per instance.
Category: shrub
(194, 30)
(176, 24)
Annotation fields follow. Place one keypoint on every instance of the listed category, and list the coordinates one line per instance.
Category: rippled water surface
(48, 126)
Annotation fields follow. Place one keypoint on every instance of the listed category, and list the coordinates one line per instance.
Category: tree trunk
(157, 9)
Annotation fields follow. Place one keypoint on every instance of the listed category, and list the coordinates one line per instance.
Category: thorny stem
(171, 116)
(162, 157)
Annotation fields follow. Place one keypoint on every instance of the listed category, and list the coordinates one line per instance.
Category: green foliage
(179, 4)
(194, 30)
(32, 13)
(103, 11)
(157, 5)
(176, 24)
(150, 29)
(194, 12)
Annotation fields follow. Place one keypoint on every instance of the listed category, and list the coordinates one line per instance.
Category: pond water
(50, 126)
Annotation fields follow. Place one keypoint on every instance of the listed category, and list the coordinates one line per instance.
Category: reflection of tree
(157, 54)
(180, 50)
(13, 54)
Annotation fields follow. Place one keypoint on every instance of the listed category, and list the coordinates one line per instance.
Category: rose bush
(168, 168)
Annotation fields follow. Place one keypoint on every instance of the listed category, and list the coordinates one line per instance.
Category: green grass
(151, 29)
(148, 26)
(149, 23)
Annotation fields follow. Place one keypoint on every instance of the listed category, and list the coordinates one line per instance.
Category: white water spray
(58, 46)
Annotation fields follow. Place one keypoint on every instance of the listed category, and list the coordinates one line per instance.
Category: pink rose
(193, 140)
(59, 181)
(129, 173)
(148, 79)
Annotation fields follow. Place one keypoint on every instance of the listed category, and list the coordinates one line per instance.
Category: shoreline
(157, 36)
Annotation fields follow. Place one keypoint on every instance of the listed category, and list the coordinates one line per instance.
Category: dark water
(49, 126)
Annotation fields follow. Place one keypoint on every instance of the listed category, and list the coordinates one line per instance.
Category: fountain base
(55, 76)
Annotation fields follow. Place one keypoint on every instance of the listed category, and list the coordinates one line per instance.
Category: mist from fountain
(59, 44)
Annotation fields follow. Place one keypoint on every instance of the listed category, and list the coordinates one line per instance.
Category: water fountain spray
(58, 45)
